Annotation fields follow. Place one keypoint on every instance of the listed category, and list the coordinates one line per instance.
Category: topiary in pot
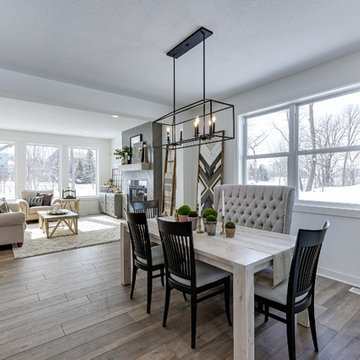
(193, 216)
(210, 225)
(183, 213)
(230, 229)
(207, 212)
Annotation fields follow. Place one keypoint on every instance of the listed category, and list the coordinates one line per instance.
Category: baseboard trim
(89, 213)
(336, 275)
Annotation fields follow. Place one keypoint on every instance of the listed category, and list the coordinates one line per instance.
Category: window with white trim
(313, 145)
(42, 168)
(7, 171)
(82, 175)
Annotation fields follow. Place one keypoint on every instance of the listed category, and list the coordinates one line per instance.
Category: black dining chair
(150, 208)
(185, 274)
(145, 257)
(296, 294)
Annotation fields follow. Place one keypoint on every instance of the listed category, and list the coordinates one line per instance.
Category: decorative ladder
(169, 182)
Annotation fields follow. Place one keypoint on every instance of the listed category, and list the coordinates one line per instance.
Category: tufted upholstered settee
(260, 207)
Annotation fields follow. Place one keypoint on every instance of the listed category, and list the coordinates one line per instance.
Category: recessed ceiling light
(87, 131)
(115, 116)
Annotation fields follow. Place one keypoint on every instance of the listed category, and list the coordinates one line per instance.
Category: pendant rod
(174, 103)
(203, 34)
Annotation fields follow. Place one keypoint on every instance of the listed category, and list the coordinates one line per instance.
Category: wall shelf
(134, 167)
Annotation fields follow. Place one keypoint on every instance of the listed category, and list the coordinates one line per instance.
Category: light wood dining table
(236, 255)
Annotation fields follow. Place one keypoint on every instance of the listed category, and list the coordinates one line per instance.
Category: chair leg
(193, 320)
(266, 313)
(149, 290)
(227, 300)
(290, 328)
(311, 313)
(133, 281)
(167, 303)
(162, 276)
(184, 295)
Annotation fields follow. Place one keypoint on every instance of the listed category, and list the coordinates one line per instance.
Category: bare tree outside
(7, 171)
(268, 134)
(42, 168)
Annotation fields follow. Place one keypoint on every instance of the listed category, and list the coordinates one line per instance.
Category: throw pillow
(3, 206)
(35, 201)
(46, 199)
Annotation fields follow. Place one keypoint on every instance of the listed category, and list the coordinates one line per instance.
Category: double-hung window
(312, 144)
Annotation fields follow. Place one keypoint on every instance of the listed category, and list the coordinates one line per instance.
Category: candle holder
(223, 225)
(199, 231)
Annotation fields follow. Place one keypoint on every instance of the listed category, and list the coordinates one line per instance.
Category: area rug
(93, 230)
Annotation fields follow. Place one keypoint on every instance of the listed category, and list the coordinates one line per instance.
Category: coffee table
(70, 219)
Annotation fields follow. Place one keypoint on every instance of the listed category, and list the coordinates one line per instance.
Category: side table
(71, 204)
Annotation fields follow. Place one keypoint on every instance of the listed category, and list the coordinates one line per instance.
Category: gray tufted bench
(260, 207)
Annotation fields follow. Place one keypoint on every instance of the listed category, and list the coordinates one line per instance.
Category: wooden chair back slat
(305, 261)
(150, 208)
(139, 234)
(177, 242)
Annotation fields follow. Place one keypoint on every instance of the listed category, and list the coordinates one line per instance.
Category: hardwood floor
(71, 305)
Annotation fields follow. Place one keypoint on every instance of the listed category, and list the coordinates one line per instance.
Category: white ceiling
(119, 45)
(29, 116)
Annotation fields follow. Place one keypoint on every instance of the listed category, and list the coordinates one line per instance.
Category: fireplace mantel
(134, 167)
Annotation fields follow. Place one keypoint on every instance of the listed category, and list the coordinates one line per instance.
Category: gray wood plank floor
(71, 305)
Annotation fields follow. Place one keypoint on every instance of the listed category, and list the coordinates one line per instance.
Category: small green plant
(209, 211)
(184, 210)
(211, 218)
(120, 153)
(230, 225)
(193, 214)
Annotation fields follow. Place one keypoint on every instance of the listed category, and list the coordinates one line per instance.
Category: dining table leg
(125, 256)
(243, 305)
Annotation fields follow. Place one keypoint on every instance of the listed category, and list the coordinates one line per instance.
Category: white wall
(87, 205)
(339, 258)
(116, 142)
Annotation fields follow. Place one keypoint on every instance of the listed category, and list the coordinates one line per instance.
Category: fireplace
(137, 191)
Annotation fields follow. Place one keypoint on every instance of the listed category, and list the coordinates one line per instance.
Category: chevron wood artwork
(210, 171)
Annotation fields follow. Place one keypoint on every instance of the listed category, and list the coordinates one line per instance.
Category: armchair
(31, 213)
(12, 226)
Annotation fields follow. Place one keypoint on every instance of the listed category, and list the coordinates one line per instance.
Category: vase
(230, 232)
(183, 218)
(210, 227)
(193, 222)
(126, 158)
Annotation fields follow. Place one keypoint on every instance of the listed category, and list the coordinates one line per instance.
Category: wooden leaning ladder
(169, 182)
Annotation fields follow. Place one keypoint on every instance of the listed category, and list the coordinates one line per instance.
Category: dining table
(248, 252)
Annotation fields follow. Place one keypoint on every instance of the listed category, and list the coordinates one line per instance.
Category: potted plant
(207, 212)
(210, 225)
(230, 229)
(192, 216)
(125, 154)
(183, 213)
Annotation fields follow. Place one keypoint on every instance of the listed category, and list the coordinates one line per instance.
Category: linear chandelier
(203, 121)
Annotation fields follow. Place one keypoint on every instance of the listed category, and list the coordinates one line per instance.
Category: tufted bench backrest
(260, 207)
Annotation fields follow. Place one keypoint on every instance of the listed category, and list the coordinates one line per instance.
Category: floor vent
(355, 290)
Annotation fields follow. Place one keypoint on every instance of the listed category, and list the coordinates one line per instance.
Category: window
(7, 171)
(42, 168)
(82, 171)
(268, 148)
(320, 153)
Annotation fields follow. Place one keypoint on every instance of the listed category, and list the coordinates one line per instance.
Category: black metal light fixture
(206, 115)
